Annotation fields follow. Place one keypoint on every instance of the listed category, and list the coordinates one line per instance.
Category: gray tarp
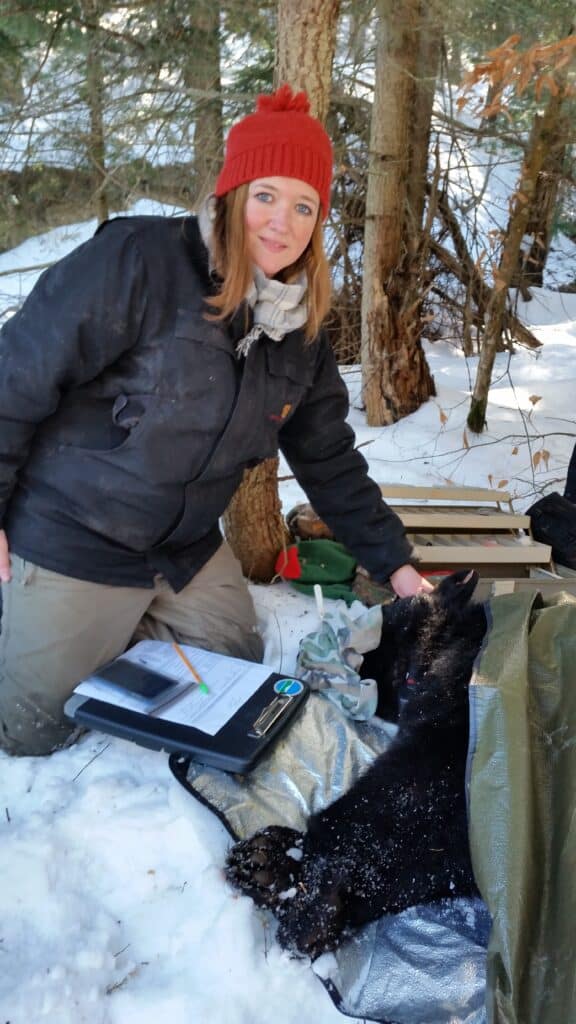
(427, 966)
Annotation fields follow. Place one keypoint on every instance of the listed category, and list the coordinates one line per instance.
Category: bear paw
(267, 866)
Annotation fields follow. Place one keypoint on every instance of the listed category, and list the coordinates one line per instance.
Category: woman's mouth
(272, 246)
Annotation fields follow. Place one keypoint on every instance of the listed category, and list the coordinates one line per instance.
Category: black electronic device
(141, 682)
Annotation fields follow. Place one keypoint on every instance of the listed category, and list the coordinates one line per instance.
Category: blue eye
(305, 209)
(263, 197)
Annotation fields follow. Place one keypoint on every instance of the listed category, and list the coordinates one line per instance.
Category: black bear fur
(399, 836)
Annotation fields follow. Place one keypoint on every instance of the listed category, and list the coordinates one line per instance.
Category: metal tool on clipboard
(287, 690)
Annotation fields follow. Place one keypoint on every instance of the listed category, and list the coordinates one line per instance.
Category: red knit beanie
(280, 138)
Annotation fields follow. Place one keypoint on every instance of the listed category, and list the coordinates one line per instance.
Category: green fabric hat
(326, 562)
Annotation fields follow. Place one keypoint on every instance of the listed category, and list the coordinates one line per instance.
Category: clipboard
(235, 746)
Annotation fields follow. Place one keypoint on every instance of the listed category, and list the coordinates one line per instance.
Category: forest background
(114, 906)
(430, 106)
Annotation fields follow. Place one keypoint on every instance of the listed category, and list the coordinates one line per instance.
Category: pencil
(201, 684)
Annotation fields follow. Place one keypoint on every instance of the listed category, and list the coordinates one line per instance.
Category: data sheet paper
(230, 682)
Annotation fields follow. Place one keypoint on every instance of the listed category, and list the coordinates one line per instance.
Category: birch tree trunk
(253, 522)
(395, 375)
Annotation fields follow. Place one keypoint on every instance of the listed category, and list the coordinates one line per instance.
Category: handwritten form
(230, 681)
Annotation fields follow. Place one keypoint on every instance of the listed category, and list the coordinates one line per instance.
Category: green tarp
(523, 807)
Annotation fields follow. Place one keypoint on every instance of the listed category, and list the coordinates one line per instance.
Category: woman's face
(280, 215)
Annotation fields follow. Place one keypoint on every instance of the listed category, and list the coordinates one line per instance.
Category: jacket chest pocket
(273, 385)
(200, 364)
(288, 380)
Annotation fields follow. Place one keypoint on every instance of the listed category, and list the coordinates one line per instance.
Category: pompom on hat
(280, 139)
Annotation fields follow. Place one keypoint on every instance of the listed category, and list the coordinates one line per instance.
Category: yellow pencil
(201, 684)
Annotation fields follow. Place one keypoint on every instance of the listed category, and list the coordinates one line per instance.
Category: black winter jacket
(126, 420)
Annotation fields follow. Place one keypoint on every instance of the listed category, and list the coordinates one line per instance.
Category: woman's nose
(280, 217)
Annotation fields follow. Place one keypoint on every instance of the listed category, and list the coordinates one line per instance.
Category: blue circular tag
(288, 687)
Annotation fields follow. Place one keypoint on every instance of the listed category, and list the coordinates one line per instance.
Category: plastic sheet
(429, 958)
(523, 807)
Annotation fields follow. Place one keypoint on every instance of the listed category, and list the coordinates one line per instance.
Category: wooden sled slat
(478, 549)
(452, 527)
(445, 517)
(487, 495)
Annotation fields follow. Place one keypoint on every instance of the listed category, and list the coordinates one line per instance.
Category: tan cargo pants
(56, 630)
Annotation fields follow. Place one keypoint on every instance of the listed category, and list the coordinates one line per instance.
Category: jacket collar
(198, 253)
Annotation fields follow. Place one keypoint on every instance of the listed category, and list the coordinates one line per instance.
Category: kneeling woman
(143, 374)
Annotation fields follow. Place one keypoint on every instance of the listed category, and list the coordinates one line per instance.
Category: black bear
(398, 837)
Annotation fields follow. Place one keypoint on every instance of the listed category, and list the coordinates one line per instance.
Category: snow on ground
(21, 267)
(114, 908)
(113, 905)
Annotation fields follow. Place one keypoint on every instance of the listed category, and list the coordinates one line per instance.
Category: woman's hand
(407, 581)
(5, 574)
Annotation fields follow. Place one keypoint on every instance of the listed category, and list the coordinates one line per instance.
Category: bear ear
(458, 587)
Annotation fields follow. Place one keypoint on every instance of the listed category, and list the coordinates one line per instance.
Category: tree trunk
(305, 49)
(544, 206)
(203, 73)
(395, 375)
(547, 185)
(522, 204)
(253, 522)
(96, 147)
(429, 53)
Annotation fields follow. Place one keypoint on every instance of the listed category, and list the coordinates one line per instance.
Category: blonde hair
(232, 263)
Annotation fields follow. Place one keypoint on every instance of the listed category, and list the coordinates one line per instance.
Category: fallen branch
(25, 270)
(469, 275)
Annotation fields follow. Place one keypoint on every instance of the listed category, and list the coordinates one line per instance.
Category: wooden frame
(467, 526)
